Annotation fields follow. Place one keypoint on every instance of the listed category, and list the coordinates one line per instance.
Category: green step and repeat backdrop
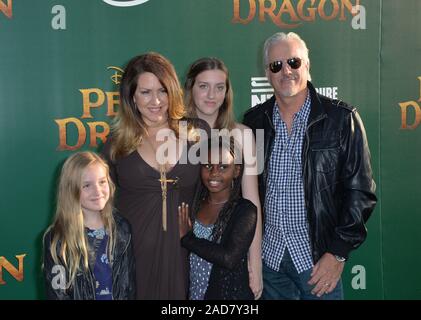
(61, 62)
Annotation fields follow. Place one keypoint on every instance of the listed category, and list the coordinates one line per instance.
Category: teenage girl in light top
(209, 96)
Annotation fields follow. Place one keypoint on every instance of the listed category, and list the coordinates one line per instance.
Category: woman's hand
(255, 277)
(184, 222)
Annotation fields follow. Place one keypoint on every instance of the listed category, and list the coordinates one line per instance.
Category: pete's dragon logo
(87, 130)
(124, 3)
(292, 13)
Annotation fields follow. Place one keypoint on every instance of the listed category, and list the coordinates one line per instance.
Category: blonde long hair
(129, 127)
(225, 117)
(68, 242)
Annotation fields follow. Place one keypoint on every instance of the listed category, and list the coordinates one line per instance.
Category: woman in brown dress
(154, 175)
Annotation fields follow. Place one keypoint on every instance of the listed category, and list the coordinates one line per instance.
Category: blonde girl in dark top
(87, 248)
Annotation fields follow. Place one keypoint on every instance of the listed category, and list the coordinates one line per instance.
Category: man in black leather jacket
(316, 187)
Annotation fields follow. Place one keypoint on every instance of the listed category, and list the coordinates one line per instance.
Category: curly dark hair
(202, 192)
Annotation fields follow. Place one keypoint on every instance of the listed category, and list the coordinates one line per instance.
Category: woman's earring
(232, 184)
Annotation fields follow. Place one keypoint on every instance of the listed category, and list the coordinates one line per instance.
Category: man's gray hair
(281, 36)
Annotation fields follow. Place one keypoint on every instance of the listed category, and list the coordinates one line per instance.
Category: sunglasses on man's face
(276, 66)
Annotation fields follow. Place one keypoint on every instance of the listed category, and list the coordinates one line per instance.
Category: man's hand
(184, 219)
(326, 274)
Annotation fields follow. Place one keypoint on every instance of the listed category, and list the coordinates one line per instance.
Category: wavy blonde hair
(129, 127)
(225, 117)
(68, 241)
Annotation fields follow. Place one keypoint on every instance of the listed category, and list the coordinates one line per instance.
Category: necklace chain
(215, 203)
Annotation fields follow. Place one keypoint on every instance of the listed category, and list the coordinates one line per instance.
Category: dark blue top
(98, 240)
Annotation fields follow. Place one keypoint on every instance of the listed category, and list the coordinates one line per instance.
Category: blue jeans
(288, 284)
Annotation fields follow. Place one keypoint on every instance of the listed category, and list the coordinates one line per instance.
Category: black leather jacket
(336, 171)
(123, 270)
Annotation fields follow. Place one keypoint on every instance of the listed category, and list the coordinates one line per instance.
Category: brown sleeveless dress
(161, 262)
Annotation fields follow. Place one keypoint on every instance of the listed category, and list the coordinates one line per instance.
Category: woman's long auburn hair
(225, 117)
(68, 241)
(129, 127)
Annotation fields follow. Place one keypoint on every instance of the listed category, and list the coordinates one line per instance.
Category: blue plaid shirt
(286, 223)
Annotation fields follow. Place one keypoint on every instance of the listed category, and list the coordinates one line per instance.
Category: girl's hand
(184, 222)
(255, 277)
